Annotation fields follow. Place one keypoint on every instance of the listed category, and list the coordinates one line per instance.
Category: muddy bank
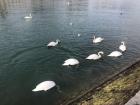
(115, 91)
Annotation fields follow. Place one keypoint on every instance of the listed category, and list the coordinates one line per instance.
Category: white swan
(28, 17)
(97, 40)
(70, 62)
(44, 86)
(68, 3)
(115, 54)
(122, 47)
(52, 44)
(79, 35)
(95, 56)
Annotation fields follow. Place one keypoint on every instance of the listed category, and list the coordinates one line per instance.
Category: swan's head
(101, 52)
(123, 42)
(79, 35)
(68, 3)
(58, 41)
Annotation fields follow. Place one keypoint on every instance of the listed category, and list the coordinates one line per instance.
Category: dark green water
(25, 61)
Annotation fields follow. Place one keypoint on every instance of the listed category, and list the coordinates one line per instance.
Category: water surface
(25, 60)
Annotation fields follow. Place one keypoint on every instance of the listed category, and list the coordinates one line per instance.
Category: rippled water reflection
(25, 60)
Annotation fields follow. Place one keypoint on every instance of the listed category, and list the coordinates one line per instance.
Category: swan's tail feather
(34, 90)
(64, 64)
(109, 55)
(87, 58)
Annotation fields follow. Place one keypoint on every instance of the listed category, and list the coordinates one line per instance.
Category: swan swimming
(44, 86)
(122, 47)
(115, 54)
(28, 17)
(97, 40)
(70, 62)
(79, 35)
(52, 44)
(68, 3)
(95, 56)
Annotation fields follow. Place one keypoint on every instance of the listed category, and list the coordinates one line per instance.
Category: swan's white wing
(52, 44)
(115, 54)
(46, 85)
(66, 64)
(71, 61)
(27, 17)
(97, 40)
(93, 56)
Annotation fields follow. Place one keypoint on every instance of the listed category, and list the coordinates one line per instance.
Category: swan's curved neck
(94, 37)
(57, 41)
(99, 54)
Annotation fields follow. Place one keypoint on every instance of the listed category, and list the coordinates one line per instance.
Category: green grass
(118, 91)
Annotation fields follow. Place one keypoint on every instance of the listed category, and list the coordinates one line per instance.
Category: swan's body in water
(28, 17)
(79, 35)
(122, 47)
(44, 86)
(68, 3)
(53, 44)
(70, 62)
(115, 54)
(97, 40)
(95, 56)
